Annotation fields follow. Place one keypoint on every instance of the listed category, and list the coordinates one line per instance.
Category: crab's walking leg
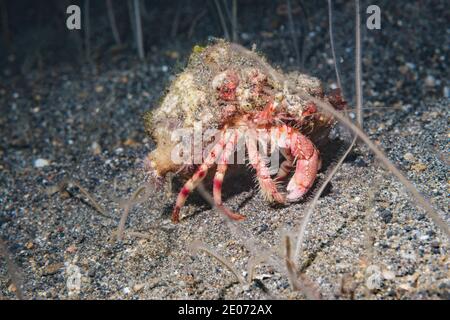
(307, 163)
(218, 178)
(217, 184)
(198, 176)
(217, 192)
(268, 186)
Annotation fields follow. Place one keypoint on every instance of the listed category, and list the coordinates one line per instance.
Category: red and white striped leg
(219, 176)
(198, 176)
(217, 192)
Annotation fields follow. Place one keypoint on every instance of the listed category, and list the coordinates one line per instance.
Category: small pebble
(138, 287)
(71, 249)
(262, 228)
(430, 81)
(130, 142)
(405, 286)
(419, 167)
(410, 65)
(12, 288)
(424, 237)
(126, 290)
(386, 216)
(40, 163)
(52, 269)
(96, 149)
(435, 244)
(409, 157)
(388, 275)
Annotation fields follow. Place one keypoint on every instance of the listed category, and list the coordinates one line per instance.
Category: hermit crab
(228, 90)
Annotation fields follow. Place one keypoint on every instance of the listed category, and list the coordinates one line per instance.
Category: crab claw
(308, 162)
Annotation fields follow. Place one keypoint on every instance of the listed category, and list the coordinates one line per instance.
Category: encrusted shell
(192, 96)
